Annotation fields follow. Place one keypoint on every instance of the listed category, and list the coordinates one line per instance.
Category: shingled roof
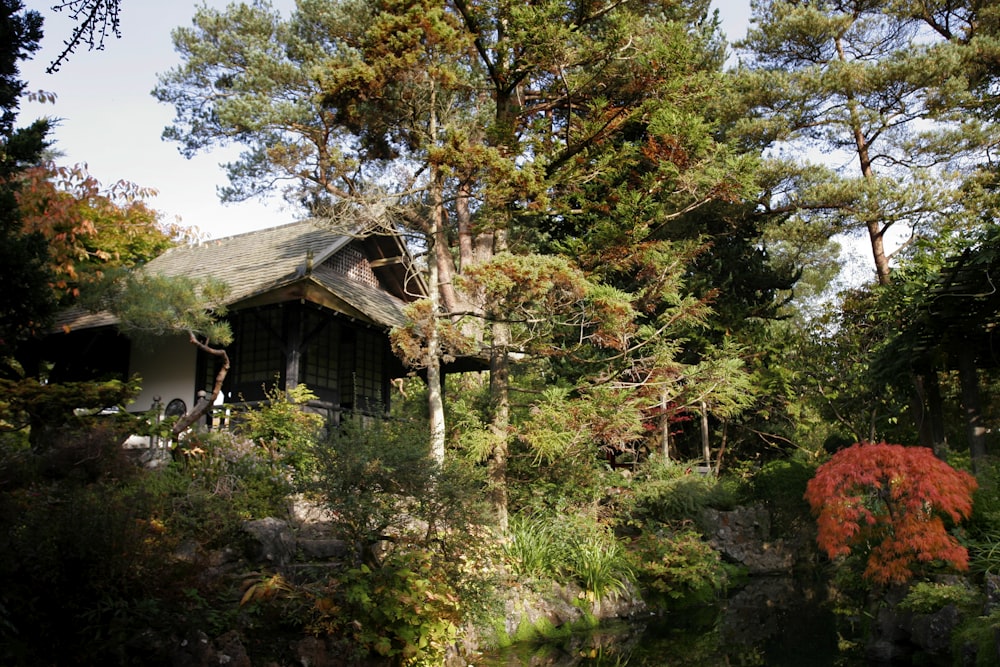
(296, 260)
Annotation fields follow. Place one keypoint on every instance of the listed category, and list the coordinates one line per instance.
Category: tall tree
(90, 229)
(344, 104)
(866, 104)
(25, 298)
(484, 126)
(871, 86)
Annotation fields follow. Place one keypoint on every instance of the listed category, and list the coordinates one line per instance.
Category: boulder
(271, 541)
(743, 536)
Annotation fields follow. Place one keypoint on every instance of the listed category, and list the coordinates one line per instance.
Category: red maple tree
(890, 501)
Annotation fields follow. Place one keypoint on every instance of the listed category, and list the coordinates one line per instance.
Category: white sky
(109, 120)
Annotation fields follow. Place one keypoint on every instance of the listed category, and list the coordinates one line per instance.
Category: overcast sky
(109, 120)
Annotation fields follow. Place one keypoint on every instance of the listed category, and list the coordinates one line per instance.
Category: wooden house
(306, 305)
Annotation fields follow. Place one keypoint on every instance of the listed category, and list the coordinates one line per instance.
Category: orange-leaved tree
(90, 228)
(890, 502)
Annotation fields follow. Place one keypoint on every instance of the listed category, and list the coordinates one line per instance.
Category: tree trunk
(204, 404)
(928, 411)
(474, 248)
(968, 377)
(500, 422)
(435, 397)
(918, 406)
(935, 411)
(876, 231)
(705, 450)
(441, 254)
(664, 426)
(500, 407)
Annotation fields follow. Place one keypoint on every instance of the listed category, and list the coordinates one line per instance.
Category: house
(306, 305)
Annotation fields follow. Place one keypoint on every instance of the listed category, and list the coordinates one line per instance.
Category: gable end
(353, 263)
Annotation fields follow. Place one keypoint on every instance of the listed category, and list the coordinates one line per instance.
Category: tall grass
(559, 548)
(532, 549)
(600, 564)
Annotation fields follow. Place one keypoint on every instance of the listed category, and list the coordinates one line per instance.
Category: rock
(305, 512)
(992, 586)
(187, 552)
(928, 635)
(932, 632)
(272, 541)
(743, 536)
(231, 652)
(884, 652)
(195, 650)
(320, 549)
(312, 652)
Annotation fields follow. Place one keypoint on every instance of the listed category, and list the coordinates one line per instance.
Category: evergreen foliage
(25, 303)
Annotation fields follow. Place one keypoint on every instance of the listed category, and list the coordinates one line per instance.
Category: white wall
(167, 370)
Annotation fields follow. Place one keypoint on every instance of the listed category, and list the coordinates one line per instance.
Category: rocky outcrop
(744, 536)
(899, 634)
(271, 541)
(304, 538)
(565, 604)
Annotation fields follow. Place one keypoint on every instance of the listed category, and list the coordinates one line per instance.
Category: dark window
(367, 377)
(320, 358)
(258, 359)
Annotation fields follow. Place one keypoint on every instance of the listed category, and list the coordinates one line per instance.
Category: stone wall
(744, 535)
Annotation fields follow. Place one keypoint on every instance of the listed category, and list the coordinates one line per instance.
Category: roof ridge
(303, 221)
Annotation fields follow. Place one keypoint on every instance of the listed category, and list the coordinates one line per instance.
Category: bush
(676, 569)
(224, 481)
(781, 486)
(599, 563)
(890, 503)
(89, 558)
(979, 632)
(925, 597)
(531, 550)
(404, 610)
(283, 427)
(671, 492)
(370, 475)
(87, 564)
(985, 519)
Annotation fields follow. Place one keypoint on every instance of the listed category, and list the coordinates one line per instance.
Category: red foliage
(890, 500)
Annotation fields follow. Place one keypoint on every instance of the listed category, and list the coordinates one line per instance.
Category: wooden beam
(385, 261)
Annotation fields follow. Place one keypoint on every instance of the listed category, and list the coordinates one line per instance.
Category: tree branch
(205, 402)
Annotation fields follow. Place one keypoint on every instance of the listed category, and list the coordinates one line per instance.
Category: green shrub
(404, 610)
(979, 632)
(927, 597)
(571, 546)
(284, 428)
(781, 486)
(88, 564)
(677, 568)
(531, 549)
(985, 518)
(984, 553)
(547, 486)
(224, 481)
(600, 564)
(370, 474)
(669, 492)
